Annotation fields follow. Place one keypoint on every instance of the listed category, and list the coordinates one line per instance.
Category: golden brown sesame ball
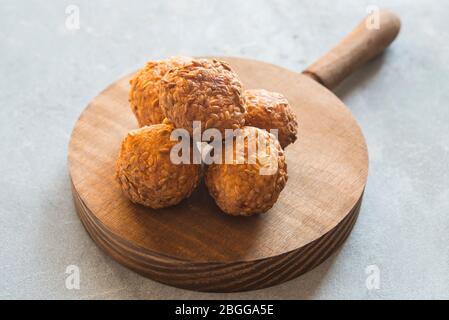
(248, 188)
(145, 172)
(271, 110)
(203, 90)
(144, 91)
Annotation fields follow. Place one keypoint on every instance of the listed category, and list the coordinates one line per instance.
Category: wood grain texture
(194, 245)
(361, 45)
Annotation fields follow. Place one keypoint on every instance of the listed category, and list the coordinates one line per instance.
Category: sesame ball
(146, 173)
(271, 110)
(252, 180)
(203, 90)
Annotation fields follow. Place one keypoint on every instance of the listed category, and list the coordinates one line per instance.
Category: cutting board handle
(366, 41)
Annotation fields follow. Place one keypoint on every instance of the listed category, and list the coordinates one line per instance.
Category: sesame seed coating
(144, 91)
(271, 110)
(203, 90)
(241, 188)
(145, 172)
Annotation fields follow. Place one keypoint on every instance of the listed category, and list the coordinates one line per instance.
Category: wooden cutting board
(194, 245)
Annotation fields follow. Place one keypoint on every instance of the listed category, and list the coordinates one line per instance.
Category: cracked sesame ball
(145, 172)
(252, 181)
(203, 90)
(271, 110)
(144, 91)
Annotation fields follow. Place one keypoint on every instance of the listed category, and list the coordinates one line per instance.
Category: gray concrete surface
(49, 74)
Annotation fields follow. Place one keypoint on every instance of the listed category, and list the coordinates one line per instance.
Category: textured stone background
(49, 74)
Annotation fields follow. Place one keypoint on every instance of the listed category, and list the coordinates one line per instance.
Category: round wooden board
(194, 245)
